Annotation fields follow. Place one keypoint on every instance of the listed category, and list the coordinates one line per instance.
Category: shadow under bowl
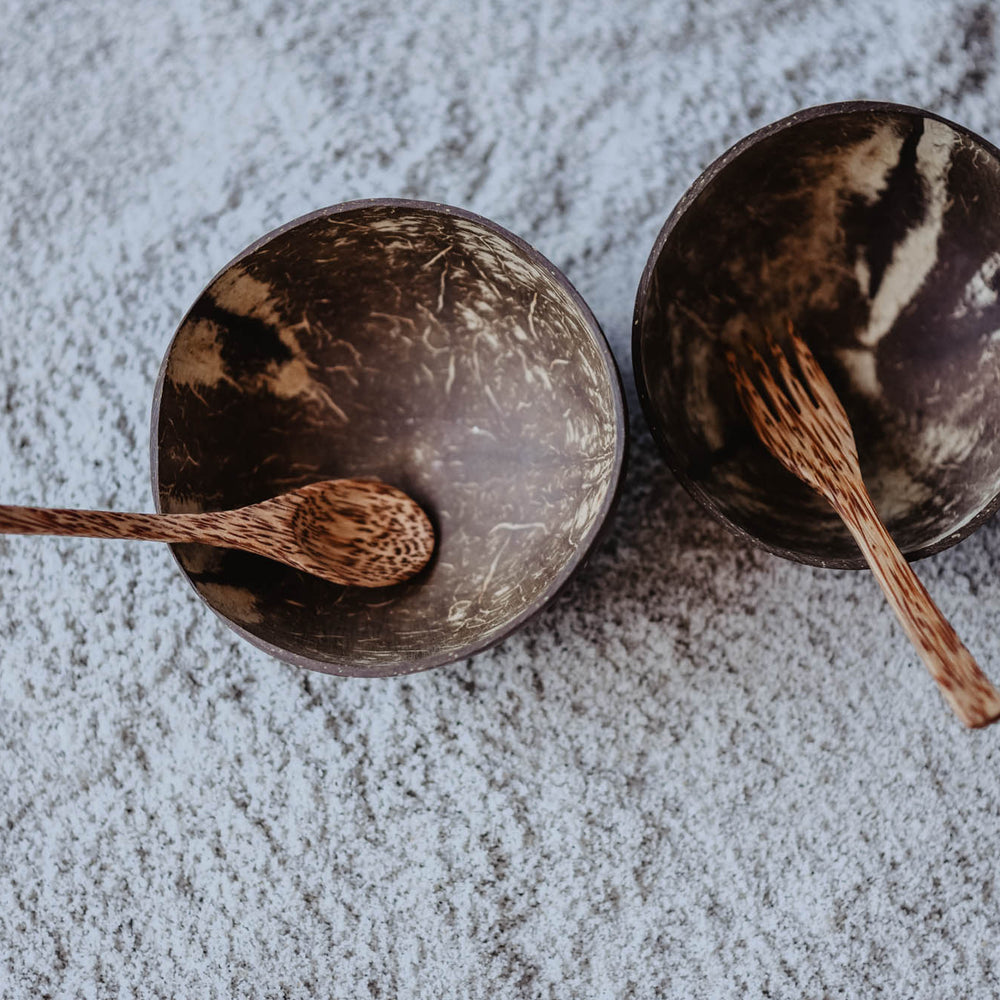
(875, 230)
(419, 344)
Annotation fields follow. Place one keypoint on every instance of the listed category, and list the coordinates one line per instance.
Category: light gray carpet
(705, 772)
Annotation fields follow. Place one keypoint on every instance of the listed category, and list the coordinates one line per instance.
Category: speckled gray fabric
(704, 772)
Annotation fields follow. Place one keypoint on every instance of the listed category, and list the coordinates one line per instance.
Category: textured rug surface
(702, 772)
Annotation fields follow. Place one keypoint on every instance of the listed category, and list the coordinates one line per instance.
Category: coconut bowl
(421, 345)
(874, 229)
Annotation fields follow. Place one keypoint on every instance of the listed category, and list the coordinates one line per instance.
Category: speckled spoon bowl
(419, 344)
(875, 230)
(358, 533)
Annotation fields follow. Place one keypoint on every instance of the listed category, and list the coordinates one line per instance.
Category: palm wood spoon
(805, 427)
(354, 532)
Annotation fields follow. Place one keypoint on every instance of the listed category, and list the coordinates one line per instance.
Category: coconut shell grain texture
(418, 345)
(875, 230)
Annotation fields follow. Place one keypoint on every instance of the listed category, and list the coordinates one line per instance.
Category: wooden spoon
(355, 532)
(805, 427)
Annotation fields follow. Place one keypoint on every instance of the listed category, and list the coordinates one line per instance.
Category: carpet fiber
(703, 772)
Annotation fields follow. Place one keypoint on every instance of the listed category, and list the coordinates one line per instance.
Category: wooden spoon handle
(965, 687)
(208, 528)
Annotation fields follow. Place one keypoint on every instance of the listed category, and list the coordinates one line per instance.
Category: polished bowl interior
(423, 346)
(875, 230)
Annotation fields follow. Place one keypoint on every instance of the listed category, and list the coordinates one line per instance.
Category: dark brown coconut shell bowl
(421, 345)
(875, 230)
